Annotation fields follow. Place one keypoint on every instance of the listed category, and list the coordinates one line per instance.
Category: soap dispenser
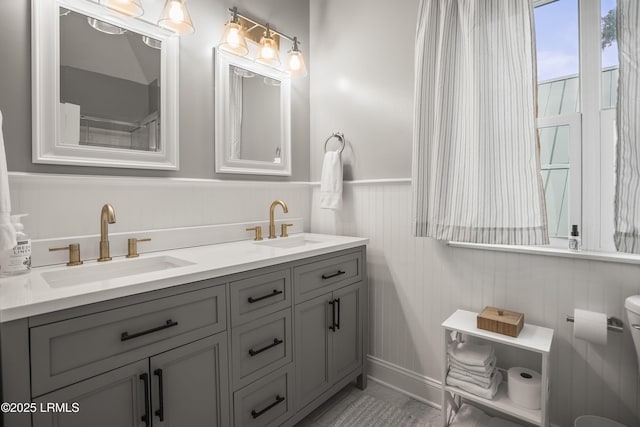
(18, 259)
(575, 243)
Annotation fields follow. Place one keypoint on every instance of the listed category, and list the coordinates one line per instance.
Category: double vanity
(248, 333)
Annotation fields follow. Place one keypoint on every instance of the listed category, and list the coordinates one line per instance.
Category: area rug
(371, 412)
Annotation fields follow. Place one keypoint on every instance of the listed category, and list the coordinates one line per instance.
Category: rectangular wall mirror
(253, 117)
(105, 88)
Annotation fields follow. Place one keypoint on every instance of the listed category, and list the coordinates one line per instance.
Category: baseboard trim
(413, 384)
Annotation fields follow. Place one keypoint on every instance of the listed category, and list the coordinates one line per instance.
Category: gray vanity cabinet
(328, 341)
(259, 348)
(115, 398)
(330, 309)
(189, 385)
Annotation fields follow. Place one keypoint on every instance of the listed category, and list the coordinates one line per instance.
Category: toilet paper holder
(613, 323)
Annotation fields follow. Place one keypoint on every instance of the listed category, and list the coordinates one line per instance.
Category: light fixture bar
(258, 24)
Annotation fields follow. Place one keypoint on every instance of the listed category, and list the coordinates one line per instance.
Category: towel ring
(340, 137)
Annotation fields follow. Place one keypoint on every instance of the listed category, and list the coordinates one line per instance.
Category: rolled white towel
(331, 181)
(469, 353)
(7, 232)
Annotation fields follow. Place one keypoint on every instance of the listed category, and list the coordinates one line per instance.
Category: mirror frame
(223, 161)
(45, 80)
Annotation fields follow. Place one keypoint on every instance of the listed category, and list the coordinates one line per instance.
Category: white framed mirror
(252, 117)
(105, 88)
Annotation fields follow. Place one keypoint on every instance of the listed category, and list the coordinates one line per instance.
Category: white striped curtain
(476, 167)
(627, 196)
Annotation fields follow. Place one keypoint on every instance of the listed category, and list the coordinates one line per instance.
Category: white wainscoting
(66, 208)
(415, 283)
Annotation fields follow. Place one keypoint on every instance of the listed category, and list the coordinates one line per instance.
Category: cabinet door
(312, 321)
(189, 385)
(347, 338)
(115, 398)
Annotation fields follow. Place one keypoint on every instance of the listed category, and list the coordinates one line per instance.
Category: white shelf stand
(532, 338)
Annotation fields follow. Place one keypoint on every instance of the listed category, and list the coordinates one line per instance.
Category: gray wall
(104, 96)
(196, 88)
(362, 84)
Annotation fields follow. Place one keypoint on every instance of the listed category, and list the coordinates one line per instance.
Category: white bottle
(17, 260)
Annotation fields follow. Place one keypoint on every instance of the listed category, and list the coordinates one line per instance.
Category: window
(577, 80)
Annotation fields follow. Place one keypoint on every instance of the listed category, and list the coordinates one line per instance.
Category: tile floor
(326, 414)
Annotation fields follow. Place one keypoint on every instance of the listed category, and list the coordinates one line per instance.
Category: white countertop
(30, 294)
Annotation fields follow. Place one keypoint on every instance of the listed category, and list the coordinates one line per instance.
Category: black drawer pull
(331, 276)
(145, 417)
(160, 411)
(272, 294)
(125, 335)
(279, 399)
(332, 303)
(276, 341)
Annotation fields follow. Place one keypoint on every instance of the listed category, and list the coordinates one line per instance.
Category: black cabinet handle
(337, 301)
(276, 341)
(160, 411)
(256, 414)
(169, 324)
(145, 379)
(332, 303)
(336, 274)
(272, 294)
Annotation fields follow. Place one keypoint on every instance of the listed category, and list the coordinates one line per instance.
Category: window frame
(591, 165)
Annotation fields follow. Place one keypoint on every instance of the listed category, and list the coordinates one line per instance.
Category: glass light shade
(151, 42)
(268, 52)
(126, 7)
(175, 17)
(296, 65)
(105, 27)
(233, 39)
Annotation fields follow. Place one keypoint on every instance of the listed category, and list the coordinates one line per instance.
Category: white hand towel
(484, 370)
(331, 181)
(7, 232)
(475, 379)
(469, 353)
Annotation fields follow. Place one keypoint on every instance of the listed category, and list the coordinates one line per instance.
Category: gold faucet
(272, 224)
(107, 216)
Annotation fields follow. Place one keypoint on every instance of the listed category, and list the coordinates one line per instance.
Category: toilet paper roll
(590, 326)
(524, 387)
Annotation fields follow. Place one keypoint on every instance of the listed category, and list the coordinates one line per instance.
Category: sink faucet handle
(74, 253)
(258, 230)
(132, 245)
(283, 229)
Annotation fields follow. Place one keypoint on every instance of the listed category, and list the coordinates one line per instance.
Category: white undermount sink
(290, 242)
(111, 270)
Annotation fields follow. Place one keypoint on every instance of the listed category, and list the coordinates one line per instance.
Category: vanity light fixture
(240, 28)
(268, 51)
(233, 39)
(175, 17)
(295, 62)
(131, 8)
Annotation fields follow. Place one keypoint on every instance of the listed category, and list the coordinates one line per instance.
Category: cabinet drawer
(267, 402)
(71, 350)
(317, 278)
(259, 295)
(260, 347)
